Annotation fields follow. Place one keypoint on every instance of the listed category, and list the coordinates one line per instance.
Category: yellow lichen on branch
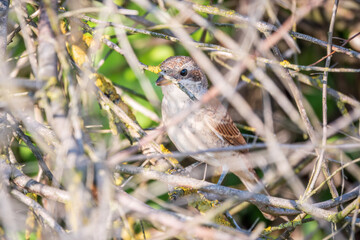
(154, 69)
(285, 63)
(200, 202)
(31, 224)
(108, 89)
(78, 49)
(77, 45)
(164, 150)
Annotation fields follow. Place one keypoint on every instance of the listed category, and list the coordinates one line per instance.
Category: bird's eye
(183, 72)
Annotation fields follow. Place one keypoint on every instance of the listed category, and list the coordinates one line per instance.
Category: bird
(207, 127)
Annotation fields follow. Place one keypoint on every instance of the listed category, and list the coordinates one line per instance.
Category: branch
(29, 184)
(267, 27)
(40, 211)
(282, 206)
(4, 6)
(174, 222)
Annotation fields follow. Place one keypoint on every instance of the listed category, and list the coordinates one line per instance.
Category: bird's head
(183, 70)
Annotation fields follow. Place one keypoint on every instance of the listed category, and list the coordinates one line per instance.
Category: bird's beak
(162, 81)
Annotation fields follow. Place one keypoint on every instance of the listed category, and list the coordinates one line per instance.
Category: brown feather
(224, 125)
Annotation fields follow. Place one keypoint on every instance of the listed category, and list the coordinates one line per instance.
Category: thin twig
(29, 184)
(267, 27)
(320, 161)
(40, 211)
(37, 153)
(4, 7)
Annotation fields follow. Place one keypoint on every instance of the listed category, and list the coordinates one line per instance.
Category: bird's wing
(220, 122)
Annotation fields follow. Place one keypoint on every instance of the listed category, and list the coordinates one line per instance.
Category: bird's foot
(225, 170)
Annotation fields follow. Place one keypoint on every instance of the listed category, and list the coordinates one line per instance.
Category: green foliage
(312, 229)
(27, 158)
(32, 236)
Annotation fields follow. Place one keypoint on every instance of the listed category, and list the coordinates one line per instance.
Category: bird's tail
(243, 169)
(253, 183)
